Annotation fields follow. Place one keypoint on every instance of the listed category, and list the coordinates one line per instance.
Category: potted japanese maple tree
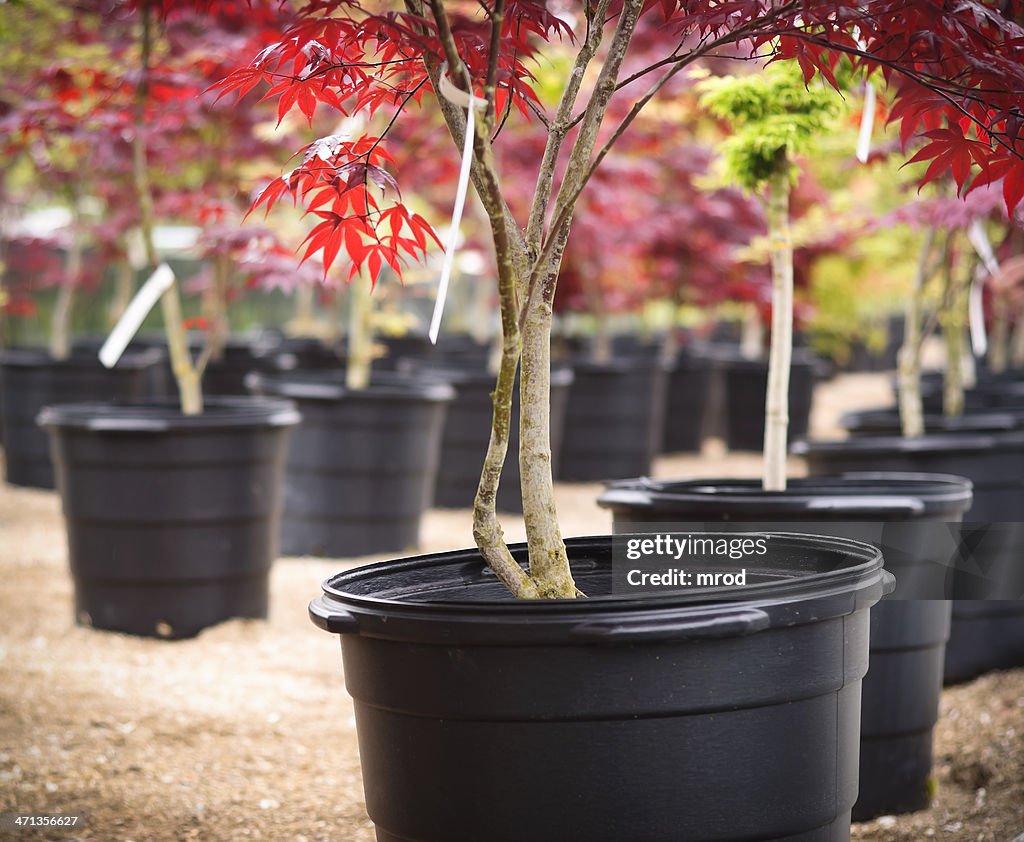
(171, 507)
(556, 715)
(964, 433)
(44, 135)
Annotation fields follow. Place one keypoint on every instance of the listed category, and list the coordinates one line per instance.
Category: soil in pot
(467, 430)
(745, 384)
(362, 465)
(32, 379)
(734, 716)
(992, 535)
(907, 516)
(613, 421)
(171, 520)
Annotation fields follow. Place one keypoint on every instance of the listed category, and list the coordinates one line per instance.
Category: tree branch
(483, 171)
(559, 127)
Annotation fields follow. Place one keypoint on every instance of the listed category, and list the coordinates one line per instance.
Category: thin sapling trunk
(774, 115)
(999, 344)
(751, 334)
(1017, 344)
(215, 306)
(360, 334)
(60, 325)
(186, 375)
(953, 320)
(601, 350)
(124, 289)
(911, 406)
(780, 356)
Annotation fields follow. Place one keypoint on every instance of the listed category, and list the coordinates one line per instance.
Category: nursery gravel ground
(246, 732)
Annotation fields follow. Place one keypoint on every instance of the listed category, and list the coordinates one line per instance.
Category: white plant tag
(867, 123)
(976, 318)
(975, 307)
(469, 102)
(978, 236)
(135, 314)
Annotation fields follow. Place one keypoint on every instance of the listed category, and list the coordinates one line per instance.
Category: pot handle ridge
(331, 619)
(888, 582)
(906, 506)
(730, 622)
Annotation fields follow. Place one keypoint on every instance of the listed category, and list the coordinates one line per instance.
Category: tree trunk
(601, 350)
(549, 564)
(360, 334)
(177, 343)
(752, 334)
(910, 403)
(303, 323)
(60, 326)
(999, 348)
(953, 383)
(780, 354)
(215, 306)
(124, 289)
(953, 320)
(1017, 344)
(487, 531)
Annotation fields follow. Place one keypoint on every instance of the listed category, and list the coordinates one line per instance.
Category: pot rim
(133, 358)
(928, 443)
(345, 607)
(163, 416)
(446, 371)
(624, 364)
(329, 386)
(868, 494)
(997, 419)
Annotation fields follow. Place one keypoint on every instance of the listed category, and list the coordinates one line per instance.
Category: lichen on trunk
(549, 564)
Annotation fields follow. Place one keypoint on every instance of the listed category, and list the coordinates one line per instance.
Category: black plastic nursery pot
(32, 379)
(988, 628)
(362, 465)
(225, 375)
(611, 718)
(613, 421)
(988, 394)
(467, 431)
(301, 353)
(746, 382)
(161, 379)
(686, 399)
(905, 514)
(886, 422)
(171, 519)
